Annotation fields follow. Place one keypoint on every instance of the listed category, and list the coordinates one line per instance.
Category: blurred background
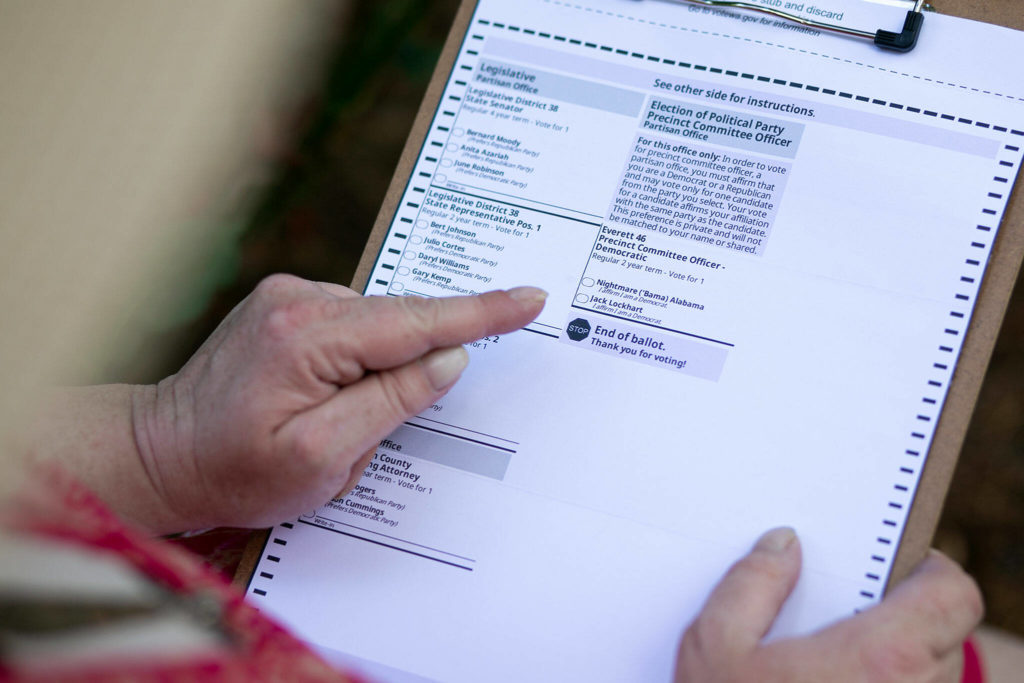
(338, 83)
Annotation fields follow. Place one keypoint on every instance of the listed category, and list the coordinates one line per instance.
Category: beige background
(127, 128)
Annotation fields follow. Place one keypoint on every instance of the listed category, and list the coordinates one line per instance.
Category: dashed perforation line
(765, 79)
(439, 135)
(782, 46)
(269, 576)
(954, 332)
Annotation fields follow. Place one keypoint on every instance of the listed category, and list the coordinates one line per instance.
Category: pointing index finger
(385, 332)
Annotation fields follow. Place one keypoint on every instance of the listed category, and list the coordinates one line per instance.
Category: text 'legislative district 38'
(666, 351)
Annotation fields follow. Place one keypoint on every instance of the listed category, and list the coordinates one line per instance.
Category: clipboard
(999, 279)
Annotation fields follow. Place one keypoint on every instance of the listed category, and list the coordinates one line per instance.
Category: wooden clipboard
(997, 286)
(998, 283)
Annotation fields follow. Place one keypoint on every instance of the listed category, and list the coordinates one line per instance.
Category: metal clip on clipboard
(904, 41)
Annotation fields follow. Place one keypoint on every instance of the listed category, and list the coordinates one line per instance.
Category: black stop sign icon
(578, 329)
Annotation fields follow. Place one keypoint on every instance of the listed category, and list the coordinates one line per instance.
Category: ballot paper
(763, 245)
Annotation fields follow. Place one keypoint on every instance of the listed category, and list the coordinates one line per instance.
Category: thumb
(744, 605)
(353, 421)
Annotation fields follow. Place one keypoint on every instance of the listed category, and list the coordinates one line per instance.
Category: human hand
(283, 406)
(915, 634)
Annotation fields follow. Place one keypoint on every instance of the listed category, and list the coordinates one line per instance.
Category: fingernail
(528, 295)
(444, 366)
(776, 540)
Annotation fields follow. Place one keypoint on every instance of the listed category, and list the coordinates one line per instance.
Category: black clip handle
(906, 39)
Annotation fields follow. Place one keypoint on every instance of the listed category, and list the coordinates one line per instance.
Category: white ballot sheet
(762, 244)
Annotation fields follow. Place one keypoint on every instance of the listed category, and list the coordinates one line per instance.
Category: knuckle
(396, 397)
(283, 319)
(703, 633)
(422, 313)
(953, 597)
(709, 645)
(274, 285)
(310, 450)
(279, 323)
